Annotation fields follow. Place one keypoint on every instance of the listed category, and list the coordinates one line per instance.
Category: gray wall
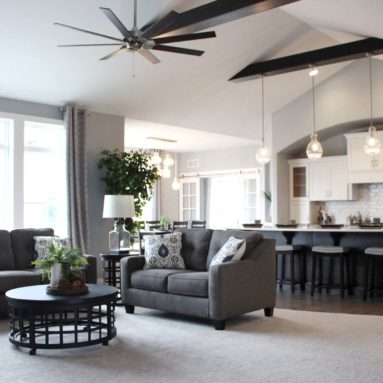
(342, 101)
(30, 108)
(103, 132)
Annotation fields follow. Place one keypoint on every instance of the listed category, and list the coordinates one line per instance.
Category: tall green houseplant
(129, 173)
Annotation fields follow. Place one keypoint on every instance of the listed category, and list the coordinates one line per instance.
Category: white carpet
(293, 346)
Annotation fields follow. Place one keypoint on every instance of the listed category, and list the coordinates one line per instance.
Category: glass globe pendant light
(156, 158)
(263, 154)
(372, 145)
(314, 149)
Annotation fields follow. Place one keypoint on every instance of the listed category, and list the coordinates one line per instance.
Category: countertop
(316, 228)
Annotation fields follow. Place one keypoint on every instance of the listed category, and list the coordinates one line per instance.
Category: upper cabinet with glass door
(299, 179)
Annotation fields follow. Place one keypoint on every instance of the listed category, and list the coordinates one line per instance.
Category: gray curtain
(75, 123)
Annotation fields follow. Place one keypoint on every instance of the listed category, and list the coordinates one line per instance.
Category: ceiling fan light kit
(143, 40)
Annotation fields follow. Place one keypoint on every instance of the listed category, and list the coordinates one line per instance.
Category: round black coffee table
(38, 320)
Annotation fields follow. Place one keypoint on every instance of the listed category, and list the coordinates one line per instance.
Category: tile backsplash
(369, 204)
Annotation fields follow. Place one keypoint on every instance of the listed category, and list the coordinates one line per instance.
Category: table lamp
(119, 207)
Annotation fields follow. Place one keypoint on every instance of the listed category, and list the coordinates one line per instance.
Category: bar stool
(291, 250)
(319, 252)
(372, 254)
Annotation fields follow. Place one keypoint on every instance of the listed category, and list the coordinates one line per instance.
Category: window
(45, 201)
(33, 173)
(6, 126)
(189, 199)
(227, 200)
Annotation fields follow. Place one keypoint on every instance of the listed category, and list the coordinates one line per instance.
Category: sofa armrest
(128, 265)
(90, 271)
(248, 285)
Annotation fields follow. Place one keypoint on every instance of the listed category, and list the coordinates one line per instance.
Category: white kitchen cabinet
(299, 191)
(362, 167)
(329, 181)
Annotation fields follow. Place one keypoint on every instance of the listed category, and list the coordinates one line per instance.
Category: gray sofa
(217, 293)
(17, 251)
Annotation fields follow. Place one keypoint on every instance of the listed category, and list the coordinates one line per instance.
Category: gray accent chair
(17, 251)
(216, 293)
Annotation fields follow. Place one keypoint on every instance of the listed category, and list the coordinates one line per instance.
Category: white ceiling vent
(192, 164)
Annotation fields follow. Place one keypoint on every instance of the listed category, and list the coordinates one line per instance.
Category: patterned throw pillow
(42, 244)
(231, 251)
(163, 251)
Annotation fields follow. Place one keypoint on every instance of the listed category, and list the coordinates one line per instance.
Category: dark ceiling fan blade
(149, 56)
(185, 51)
(90, 32)
(116, 22)
(115, 53)
(156, 28)
(191, 36)
(85, 45)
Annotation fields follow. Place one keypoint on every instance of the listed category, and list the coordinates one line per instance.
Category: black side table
(112, 271)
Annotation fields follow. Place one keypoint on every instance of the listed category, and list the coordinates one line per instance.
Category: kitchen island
(355, 238)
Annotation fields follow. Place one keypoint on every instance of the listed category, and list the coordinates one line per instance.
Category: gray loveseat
(17, 251)
(217, 293)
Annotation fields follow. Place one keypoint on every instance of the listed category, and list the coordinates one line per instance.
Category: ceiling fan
(143, 40)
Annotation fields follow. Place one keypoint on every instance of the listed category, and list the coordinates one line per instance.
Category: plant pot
(59, 271)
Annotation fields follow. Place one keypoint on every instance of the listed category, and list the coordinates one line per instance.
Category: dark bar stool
(333, 252)
(291, 251)
(372, 255)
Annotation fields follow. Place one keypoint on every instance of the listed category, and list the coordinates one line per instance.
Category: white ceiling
(182, 91)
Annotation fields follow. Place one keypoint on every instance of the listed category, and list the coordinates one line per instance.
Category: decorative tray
(252, 225)
(287, 226)
(331, 226)
(370, 225)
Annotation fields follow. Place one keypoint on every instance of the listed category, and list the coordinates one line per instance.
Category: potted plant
(131, 173)
(62, 266)
(165, 223)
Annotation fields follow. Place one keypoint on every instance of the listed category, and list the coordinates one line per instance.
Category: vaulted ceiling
(181, 91)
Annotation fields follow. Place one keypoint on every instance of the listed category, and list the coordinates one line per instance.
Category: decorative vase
(59, 272)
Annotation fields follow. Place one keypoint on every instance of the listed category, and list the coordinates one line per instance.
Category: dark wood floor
(351, 304)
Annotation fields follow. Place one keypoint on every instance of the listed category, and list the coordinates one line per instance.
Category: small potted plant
(62, 266)
(164, 223)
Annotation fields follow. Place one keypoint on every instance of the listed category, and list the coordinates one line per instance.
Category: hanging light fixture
(165, 173)
(156, 158)
(314, 149)
(176, 183)
(263, 155)
(168, 161)
(372, 145)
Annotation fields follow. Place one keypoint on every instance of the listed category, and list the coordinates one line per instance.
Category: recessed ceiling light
(161, 139)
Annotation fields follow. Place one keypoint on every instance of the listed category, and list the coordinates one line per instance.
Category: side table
(111, 270)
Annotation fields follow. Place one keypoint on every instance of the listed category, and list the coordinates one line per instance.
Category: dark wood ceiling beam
(305, 60)
(220, 12)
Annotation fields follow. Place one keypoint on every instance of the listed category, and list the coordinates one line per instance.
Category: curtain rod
(222, 173)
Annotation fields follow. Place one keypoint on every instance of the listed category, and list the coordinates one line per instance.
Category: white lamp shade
(118, 206)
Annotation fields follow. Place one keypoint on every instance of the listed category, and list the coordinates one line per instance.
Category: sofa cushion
(220, 237)
(18, 278)
(23, 245)
(195, 247)
(231, 251)
(7, 261)
(195, 284)
(42, 244)
(163, 251)
(152, 279)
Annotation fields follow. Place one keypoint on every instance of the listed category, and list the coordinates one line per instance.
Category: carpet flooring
(293, 346)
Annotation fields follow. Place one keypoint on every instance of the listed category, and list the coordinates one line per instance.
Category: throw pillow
(42, 244)
(231, 251)
(163, 251)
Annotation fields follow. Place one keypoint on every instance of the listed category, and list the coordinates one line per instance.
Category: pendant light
(314, 148)
(372, 145)
(263, 155)
(176, 183)
(156, 158)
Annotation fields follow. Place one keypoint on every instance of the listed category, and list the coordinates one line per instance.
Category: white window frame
(257, 173)
(190, 180)
(16, 172)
